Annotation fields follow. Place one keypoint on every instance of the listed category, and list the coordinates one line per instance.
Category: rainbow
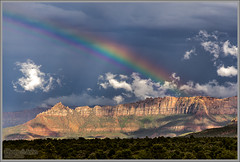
(103, 49)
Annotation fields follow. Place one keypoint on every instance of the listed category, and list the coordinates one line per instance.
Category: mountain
(19, 117)
(229, 130)
(167, 116)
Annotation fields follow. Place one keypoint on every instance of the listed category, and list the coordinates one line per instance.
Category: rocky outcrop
(155, 106)
(58, 110)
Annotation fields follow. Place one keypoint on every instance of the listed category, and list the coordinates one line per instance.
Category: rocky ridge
(155, 106)
(167, 116)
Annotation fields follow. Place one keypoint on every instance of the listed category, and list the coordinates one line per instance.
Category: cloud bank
(212, 88)
(79, 100)
(136, 86)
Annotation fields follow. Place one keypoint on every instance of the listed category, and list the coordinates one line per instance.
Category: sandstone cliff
(168, 116)
(155, 106)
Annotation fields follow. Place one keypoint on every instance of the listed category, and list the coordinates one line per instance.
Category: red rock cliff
(166, 106)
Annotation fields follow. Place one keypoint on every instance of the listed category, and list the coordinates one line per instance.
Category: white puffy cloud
(120, 84)
(32, 78)
(169, 85)
(175, 77)
(118, 99)
(215, 43)
(211, 47)
(188, 54)
(123, 76)
(209, 41)
(110, 76)
(112, 82)
(229, 49)
(79, 100)
(136, 86)
(187, 87)
(211, 88)
(203, 36)
(143, 88)
(229, 71)
(203, 33)
(215, 46)
(104, 85)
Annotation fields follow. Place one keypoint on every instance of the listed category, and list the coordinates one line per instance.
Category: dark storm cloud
(133, 16)
(155, 31)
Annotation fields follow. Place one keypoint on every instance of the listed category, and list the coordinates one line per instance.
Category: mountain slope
(229, 130)
(168, 116)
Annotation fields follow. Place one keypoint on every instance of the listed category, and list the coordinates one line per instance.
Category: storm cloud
(193, 43)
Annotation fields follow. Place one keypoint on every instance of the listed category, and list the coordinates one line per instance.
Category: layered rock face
(168, 116)
(156, 106)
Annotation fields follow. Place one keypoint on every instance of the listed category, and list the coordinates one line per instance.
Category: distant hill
(14, 118)
(19, 117)
(152, 117)
(226, 131)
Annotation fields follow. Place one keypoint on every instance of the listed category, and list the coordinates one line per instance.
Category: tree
(189, 155)
(143, 154)
(203, 155)
(124, 154)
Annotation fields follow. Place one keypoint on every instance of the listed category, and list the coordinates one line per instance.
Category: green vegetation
(128, 148)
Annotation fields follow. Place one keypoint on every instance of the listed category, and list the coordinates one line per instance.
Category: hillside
(229, 130)
(168, 116)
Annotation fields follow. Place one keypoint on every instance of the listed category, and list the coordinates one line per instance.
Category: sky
(109, 53)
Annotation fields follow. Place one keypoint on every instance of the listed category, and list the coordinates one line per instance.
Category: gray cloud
(79, 100)
(113, 16)
(45, 12)
(155, 31)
